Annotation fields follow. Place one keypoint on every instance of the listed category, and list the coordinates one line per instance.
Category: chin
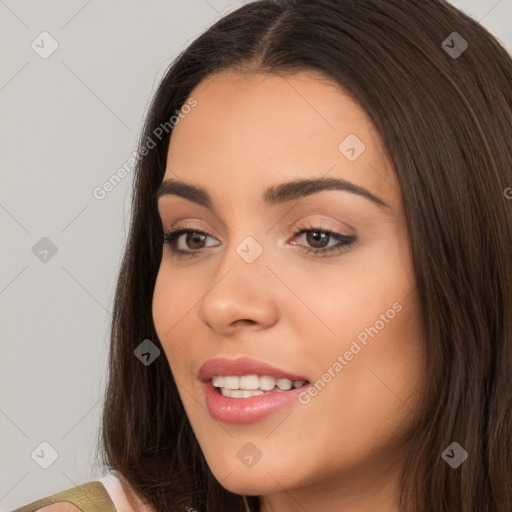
(265, 477)
(250, 485)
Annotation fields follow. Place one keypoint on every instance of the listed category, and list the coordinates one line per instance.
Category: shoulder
(88, 497)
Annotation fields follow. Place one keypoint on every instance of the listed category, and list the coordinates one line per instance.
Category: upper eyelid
(288, 225)
(162, 216)
(223, 226)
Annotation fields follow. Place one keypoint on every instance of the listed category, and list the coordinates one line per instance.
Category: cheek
(370, 402)
(169, 310)
(375, 317)
(160, 307)
(176, 299)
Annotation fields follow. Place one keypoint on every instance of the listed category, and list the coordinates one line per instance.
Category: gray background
(68, 122)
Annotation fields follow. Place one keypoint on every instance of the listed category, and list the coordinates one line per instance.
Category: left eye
(317, 238)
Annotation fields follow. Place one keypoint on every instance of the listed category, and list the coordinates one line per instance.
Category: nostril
(244, 321)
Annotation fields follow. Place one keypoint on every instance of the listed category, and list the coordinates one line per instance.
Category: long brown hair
(444, 114)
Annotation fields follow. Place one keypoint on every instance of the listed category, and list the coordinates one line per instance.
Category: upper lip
(242, 366)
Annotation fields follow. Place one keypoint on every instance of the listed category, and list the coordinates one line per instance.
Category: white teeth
(249, 382)
(240, 393)
(217, 381)
(267, 383)
(247, 393)
(284, 384)
(231, 382)
(252, 385)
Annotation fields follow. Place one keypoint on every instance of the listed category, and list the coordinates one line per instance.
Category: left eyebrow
(275, 194)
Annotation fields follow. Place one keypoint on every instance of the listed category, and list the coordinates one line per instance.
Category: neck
(134, 500)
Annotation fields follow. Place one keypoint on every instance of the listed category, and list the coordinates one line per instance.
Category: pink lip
(242, 366)
(245, 410)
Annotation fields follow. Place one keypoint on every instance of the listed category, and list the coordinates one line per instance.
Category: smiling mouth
(246, 386)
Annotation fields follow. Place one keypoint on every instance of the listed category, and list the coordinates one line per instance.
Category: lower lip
(247, 410)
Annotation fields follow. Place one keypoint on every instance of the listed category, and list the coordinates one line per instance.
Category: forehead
(252, 130)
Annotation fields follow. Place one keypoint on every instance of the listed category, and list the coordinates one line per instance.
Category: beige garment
(110, 493)
(88, 497)
(123, 501)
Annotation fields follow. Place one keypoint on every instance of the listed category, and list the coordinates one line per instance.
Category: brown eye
(194, 240)
(317, 239)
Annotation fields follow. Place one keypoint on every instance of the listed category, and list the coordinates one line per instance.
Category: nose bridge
(244, 262)
(240, 288)
(248, 239)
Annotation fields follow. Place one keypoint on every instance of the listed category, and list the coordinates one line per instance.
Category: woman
(317, 285)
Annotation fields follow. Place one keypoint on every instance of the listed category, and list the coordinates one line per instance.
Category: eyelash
(345, 242)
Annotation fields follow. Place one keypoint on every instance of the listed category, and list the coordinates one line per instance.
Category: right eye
(193, 237)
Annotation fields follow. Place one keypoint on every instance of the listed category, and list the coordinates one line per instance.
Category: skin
(295, 310)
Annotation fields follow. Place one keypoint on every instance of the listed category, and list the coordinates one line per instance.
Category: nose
(240, 295)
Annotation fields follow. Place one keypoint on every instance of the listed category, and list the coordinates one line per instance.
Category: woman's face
(346, 320)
